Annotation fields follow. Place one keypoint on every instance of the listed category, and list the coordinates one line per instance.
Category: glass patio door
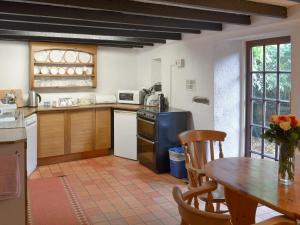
(268, 91)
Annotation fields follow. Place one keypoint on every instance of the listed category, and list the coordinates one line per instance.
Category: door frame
(248, 85)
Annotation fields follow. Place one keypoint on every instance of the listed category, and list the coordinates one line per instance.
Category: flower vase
(286, 170)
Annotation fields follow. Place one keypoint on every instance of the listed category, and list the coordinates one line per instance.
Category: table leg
(242, 209)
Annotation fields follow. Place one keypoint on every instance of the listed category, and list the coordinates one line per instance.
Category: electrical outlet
(190, 85)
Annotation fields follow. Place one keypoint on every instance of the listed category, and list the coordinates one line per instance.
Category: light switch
(179, 63)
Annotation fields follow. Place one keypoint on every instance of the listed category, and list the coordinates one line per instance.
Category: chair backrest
(198, 144)
(188, 206)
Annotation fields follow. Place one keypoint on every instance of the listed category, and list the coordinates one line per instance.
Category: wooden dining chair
(188, 206)
(189, 209)
(199, 149)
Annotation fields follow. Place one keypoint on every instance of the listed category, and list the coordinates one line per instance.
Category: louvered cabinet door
(51, 135)
(103, 129)
(82, 130)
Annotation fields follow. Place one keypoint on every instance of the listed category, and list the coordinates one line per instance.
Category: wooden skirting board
(72, 157)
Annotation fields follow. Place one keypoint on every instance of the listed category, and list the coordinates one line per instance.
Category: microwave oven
(130, 97)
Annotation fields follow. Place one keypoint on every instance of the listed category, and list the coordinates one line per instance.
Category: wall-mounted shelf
(46, 56)
(64, 87)
(50, 64)
(64, 76)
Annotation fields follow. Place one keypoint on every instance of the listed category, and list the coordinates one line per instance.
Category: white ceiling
(277, 2)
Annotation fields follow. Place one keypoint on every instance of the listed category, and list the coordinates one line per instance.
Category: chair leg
(209, 206)
(218, 207)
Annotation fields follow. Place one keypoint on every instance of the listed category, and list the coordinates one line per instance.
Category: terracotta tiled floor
(116, 191)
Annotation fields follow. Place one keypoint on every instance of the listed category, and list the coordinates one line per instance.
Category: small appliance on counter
(157, 131)
(154, 97)
(34, 99)
(105, 98)
(130, 97)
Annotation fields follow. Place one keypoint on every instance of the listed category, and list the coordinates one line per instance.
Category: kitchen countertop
(10, 135)
(29, 111)
(15, 131)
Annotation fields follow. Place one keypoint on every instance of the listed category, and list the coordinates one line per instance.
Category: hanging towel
(9, 176)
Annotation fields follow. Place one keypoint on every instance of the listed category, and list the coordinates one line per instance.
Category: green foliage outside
(271, 66)
(271, 63)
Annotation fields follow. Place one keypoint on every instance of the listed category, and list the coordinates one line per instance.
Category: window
(268, 91)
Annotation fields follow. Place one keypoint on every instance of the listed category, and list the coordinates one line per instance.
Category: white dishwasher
(125, 130)
(31, 132)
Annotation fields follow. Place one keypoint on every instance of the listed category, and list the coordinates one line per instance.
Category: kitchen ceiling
(126, 23)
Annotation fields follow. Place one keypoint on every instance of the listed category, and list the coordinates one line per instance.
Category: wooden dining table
(248, 182)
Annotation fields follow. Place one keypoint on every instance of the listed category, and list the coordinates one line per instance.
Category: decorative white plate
(54, 71)
(44, 70)
(56, 56)
(70, 56)
(84, 57)
(89, 71)
(41, 56)
(70, 71)
(79, 70)
(36, 70)
(61, 71)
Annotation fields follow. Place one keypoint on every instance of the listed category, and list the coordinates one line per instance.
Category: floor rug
(51, 201)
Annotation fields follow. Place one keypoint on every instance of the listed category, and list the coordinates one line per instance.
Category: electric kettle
(34, 99)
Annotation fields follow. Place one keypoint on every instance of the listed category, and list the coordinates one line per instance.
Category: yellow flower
(274, 119)
(285, 125)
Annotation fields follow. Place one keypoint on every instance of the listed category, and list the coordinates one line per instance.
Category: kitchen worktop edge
(27, 111)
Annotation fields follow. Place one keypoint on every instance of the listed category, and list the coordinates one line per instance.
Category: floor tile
(116, 191)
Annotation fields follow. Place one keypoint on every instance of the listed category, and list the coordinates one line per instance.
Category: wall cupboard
(73, 134)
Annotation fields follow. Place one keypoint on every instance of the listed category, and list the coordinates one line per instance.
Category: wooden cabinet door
(51, 135)
(13, 211)
(103, 129)
(82, 130)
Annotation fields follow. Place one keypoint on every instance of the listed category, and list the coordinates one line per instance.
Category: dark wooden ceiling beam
(92, 24)
(25, 9)
(23, 26)
(236, 6)
(88, 39)
(57, 40)
(148, 9)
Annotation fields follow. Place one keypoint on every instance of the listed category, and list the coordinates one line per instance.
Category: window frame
(249, 45)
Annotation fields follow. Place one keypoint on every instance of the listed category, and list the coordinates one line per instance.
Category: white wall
(198, 66)
(116, 68)
(14, 65)
(227, 92)
(216, 60)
